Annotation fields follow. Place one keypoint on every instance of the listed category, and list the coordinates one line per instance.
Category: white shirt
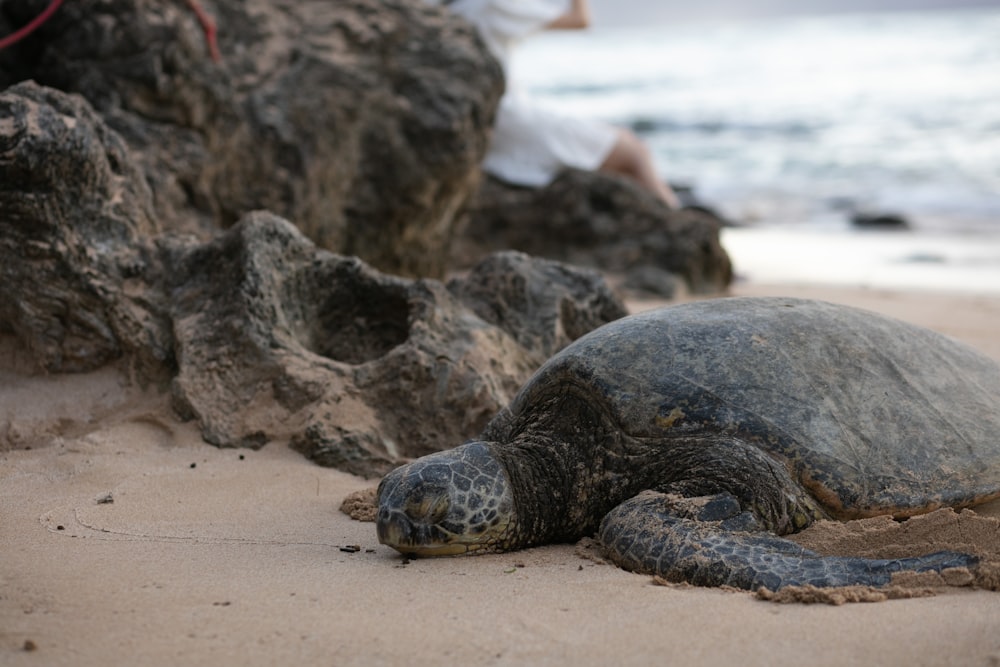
(531, 144)
(504, 23)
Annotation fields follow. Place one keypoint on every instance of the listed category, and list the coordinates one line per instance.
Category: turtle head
(448, 503)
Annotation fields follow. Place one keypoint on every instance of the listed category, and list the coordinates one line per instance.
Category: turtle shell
(871, 415)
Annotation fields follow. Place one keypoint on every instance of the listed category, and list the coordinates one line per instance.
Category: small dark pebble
(30, 645)
(222, 604)
(106, 499)
(351, 549)
(194, 465)
(60, 527)
(242, 457)
(369, 551)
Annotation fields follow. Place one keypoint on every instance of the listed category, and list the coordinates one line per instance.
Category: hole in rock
(360, 322)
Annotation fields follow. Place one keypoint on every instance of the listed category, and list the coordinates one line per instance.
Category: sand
(127, 540)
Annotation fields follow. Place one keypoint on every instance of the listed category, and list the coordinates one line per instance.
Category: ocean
(791, 126)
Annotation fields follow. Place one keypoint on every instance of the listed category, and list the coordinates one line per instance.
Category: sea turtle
(692, 436)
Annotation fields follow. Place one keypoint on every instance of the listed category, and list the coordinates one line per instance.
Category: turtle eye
(431, 508)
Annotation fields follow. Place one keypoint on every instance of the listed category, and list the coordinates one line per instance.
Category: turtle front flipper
(714, 543)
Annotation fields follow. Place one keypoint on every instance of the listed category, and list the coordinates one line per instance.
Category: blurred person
(532, 144)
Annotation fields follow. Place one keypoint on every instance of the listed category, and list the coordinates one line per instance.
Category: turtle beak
(410, 538)
(395, 530)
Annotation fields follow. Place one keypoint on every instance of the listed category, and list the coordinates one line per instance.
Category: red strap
(32, 26)
(207, 26)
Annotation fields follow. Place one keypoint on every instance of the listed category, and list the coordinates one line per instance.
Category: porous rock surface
(363, 121)
(75, 219)
(131, 221)
(543, 304)
(260, 334)
(276, 339)
(599, 220)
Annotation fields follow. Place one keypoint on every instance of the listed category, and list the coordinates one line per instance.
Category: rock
(277, 339)
(258, 333)
(74, 250)
(364, 121)
(265, 335)
(7, 61)
(876, 220)
(542, 304)
(646, 280)
(598, 220)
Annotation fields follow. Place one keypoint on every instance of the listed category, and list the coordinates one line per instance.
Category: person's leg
(631, 158)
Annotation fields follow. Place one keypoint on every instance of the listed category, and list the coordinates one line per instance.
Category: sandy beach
(128, 540)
